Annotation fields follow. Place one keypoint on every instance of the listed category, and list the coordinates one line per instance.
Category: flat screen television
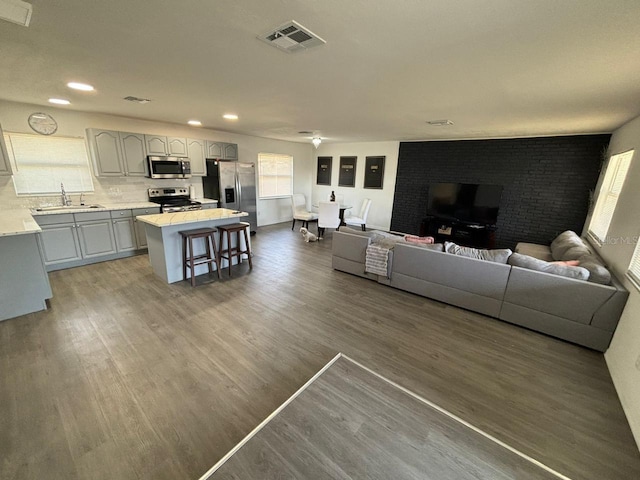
(465, 202)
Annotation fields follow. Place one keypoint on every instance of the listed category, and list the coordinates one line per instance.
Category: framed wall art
(324, 171)
(347, 177)
(374, 172)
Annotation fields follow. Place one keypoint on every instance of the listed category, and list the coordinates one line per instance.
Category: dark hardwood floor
(125, 377)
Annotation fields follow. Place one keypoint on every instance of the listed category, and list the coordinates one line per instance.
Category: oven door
(169, 167)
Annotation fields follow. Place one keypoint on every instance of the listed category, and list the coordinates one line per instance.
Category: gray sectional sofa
(581, 312)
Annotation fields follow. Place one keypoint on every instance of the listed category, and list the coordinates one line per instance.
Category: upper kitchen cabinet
(214, 149)
(134, 154)
(177, 146)
(5, 166)
(107, 152)
(156, 145)
(230, 151)
(225, 151)
(197, 155)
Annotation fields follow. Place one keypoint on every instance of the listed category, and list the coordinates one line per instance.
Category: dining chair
(328, 217)
(300, 212)
(361, 219)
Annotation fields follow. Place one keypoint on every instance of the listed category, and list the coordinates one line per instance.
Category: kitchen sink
(66, 208)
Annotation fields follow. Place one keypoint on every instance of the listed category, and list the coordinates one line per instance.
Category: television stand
(468, 234)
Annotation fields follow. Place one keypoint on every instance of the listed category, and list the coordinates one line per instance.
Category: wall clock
(43, 123)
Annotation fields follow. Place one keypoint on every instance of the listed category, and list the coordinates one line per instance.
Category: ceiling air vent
(440, 123)
(137, 100)
(291, 37)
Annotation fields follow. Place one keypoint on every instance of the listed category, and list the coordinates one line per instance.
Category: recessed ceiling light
(80, 86)
(230, 116)
(440, 123)
(195, 123)
(59, 101)
(305, 132)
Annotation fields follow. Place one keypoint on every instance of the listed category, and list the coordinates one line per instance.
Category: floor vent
(137, 100)
(291, 37)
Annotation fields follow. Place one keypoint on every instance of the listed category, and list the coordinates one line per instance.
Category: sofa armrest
(350, 246)
(564, 297)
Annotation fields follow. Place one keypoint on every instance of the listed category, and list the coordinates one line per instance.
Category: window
(42, 163)
(275, 175)
(608, 195)
(634, 266)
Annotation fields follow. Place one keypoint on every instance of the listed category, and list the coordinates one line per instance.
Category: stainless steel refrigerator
(233, 184)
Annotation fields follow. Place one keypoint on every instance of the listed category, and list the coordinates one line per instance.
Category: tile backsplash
(106, 190)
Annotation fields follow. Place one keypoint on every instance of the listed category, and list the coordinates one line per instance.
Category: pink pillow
(416, 239)
(568, 263)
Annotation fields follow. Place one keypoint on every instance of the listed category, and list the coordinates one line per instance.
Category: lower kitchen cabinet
(141, 234)
(59, 243)
(70, 240)
(124, 230)
(96, 238)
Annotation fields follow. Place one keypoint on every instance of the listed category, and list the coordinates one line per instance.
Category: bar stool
(234, 251)
(192, 260)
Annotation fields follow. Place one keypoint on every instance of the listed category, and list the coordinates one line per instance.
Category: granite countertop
(17, 222)
(107, 207)
(20, 221)
(193, 216)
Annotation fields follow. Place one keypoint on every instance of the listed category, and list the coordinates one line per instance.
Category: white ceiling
(497, 68)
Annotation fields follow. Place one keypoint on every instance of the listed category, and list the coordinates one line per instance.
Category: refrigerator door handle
(239, 190)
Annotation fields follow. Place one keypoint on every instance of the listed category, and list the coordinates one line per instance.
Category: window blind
(275, 175)
(609, 192)
(634, 266)
(42, 163)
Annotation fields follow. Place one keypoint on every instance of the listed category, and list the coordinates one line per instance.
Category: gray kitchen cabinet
(156, 145)
(5, 165)
(215, 149)
(196, 151)
(177, 146)
(123, 229)
(59, 243)
(141, 234)
(225, 151)
(96, 238)
(230, 151)
(106, 151)
(134, 154)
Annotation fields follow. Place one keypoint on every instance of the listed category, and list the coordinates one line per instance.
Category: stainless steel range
(173, 199)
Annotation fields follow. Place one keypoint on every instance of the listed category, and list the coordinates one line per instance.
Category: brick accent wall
(547, 181)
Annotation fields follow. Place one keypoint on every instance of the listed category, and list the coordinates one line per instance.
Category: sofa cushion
(498, 256)
(541, 252)
(568, 246)
(598, 273)
(532, 263)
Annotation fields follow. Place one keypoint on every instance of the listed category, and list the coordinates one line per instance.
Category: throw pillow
(416, 239)
(498, 255)
(598, 273)
(568, 246)
(531, 263)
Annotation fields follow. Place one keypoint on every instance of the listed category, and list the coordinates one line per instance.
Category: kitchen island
(24, 283)
(165, 243)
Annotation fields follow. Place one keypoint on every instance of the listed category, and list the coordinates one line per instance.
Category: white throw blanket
(377, 259)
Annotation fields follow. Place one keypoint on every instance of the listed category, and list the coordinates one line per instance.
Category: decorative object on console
(347, 177)
(374, 172)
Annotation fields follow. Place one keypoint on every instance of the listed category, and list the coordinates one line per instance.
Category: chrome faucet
(66, 199)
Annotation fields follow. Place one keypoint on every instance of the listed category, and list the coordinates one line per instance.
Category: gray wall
(547, 181)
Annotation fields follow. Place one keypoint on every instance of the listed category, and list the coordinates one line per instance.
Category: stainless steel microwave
(169, 167)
